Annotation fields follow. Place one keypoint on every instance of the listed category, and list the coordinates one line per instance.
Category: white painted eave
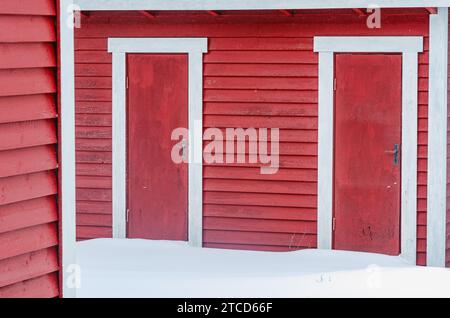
(222, 5)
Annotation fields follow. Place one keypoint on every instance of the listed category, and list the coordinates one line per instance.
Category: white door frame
(194, 47)
(409, 47)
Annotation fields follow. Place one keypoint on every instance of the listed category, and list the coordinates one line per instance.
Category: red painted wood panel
(29, 256)
(157, 187)
(248, 81)
(366, 175)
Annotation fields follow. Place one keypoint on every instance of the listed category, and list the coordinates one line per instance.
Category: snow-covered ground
(141, 268)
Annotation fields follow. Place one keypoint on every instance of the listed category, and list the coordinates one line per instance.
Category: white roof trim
(161, 5)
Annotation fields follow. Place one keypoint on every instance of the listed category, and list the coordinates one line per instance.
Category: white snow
(143, 268)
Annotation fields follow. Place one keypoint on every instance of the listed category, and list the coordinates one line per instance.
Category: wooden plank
(297, 162)
(93, 57)
(406, 25)
(90, 232)
(285, 135)
(249, 247)
(45, 286)
(98, 44)
(16, 29)
(94, 169)
(260, 122)
(260, 238)
(93, 82)
(261, 44)
(27, 160)
(102, 220)
(256, 199)
(93, 108)
(27, 82)
(27, 134)
(293, 57)
(96, 120)
(28, 7)
(272, 83)
(260, 212)
(94, 182)
(93, 69)
(94, 195)
(17, 55)
(93, 157)
(93, 132)
(265, 96)
(252, 186)
(259, 225)
(245, 173)
(259, 109)
(28, 266)
(28, 240)
(98, 95)
(29, 213)
(26, 187)
(295, 149)
(94, 207)
(86, 144)
(24, 108)
(262, 70)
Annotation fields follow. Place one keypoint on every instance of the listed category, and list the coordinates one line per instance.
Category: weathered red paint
(260, 70)
(367, 174)
(157, 186)
(29, 258)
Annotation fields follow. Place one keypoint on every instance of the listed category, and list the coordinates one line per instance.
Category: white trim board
(194, 47)
(437, 139)
(162, 5)
(409, 47)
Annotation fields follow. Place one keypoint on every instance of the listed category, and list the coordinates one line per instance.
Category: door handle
(395, 152)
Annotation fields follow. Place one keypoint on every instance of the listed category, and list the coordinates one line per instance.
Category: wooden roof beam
(213, 13)
(287, 13)
(360, 12)
(147, 14)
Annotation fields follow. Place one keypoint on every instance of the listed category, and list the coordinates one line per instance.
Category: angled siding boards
(260, 71)
(28, 153)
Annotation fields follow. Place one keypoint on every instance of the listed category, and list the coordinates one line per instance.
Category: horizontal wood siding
(29, 261)
(260, 71)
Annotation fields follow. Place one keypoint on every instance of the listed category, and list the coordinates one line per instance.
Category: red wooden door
(157, 187)
(366, 160)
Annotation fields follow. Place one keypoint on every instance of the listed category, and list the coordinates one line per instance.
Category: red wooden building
(359, 97)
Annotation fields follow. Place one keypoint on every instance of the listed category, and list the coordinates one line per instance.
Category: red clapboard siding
(29, 260)
(45, 286)
(260, 71)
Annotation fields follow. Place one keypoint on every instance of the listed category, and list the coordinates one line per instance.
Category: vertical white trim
(194, 47)
(67, 146)
(437, 138)
(409, 47)
(325, 150)
(196, 148)
(409, 157)
(119, 145)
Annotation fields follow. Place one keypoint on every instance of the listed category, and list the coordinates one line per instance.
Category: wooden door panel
(367, 174)
(157, 187)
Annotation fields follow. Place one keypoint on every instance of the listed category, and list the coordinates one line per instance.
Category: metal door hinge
(128, 82)
(128, 213)
(334, 84)
(334, 224)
